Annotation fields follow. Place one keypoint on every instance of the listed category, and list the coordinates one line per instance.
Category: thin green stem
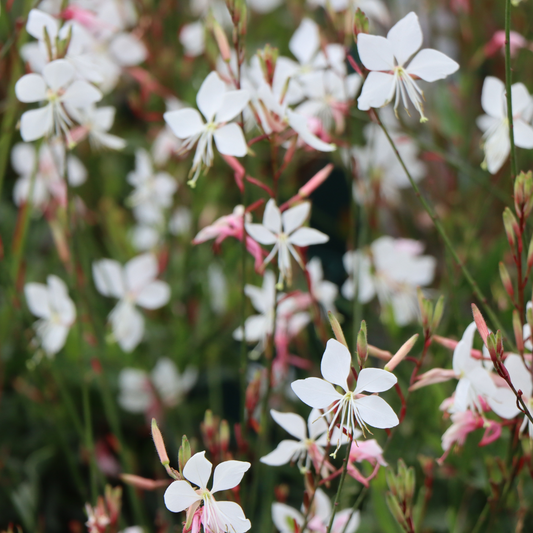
(508, 82)
(440, 228)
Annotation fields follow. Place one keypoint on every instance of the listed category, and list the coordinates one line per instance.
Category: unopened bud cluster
(400, 497)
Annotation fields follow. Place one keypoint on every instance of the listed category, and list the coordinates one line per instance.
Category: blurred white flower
(389, 77)
(373, 9)
(96, 123)
(56, 312)
(392, 269)
(324, 291)
(132, 284)
(495, 125)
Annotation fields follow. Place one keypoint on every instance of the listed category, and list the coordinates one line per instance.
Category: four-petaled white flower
(134, 284)
(216, 516)
(218, 106)
(390, 77)
(495, 125)
(284, 231)
(352, 408)
(57, 86)
(56, 312)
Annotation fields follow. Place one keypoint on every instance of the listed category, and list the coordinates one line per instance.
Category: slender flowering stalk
(508, 82)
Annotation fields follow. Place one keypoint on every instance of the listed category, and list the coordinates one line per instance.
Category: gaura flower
(495, 125)
(324, 291)
(390, 78)
(56, 312)
(284, 231)
(521, 379)
(216, 516)
(352, 408)
(218, 106)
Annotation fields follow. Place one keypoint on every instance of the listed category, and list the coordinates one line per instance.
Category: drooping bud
(506, 280)
(362, 344)
(337, 330)
(159, 444)
(401, 353)
(480, 323)
(518, 331)
(222, 41)
(360, 23)
(511, 226)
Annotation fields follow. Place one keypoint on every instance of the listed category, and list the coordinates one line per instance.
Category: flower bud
(506, 280)
(410, 483)
(530, 255)
(337, 330)
(519, 193)
(395, 509)
(184, 453)
(268, 57)
(401, 353)
(224, 436)
(362, 344)
(480, 323)
(437, 314)
(360, 24)
(511, 226)
(159, 444)
(518, 331)
(222, 41)
(391, 481)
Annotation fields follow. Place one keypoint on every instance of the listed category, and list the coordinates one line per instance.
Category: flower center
(406, 87)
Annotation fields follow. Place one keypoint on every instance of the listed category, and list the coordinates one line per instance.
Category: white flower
(218, 106)
(134, 284)
(373, 9)
(284, 231)
(521, 380)
(217, 517)
(390, 77)
(192, 38)
(56, 311)
(324, 291)
(61, 91)
(392, 269)
(352, 408)
(495, 125)
(96, 122)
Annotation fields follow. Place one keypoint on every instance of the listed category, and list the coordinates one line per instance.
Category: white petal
(39, 20)
(307, 237)
(521, 99)
(374, 380)
(336, 363)
(140, 271)
(36, 123)
(104, 117)
(232, 517)
(76, 172)
(58, 74)
(377, 91)
(295, 216)
(127, 325)
(292, 423)
(339, 524)
(23, 158)
(81, 94)
(54, 338)
(375, 52)
(211, 95)
(233, 103)
(184, 123)
(37, 299)
(405, 37)
(259, 233)
(315, 392)
(317, 425)
(31, 88)
(198, 470)
(376, 412)
(230, 140)
(180, 495)
(523, 134)
(462, 359)
(432, 65)
(520, 376)
(503, 403)
(228, 475)
(108, 279)
(283, 454)
(299, 124)
(128, 50)
(154, 295)
(284, 518)
(272, 217)
(492, 95)
(305, 41)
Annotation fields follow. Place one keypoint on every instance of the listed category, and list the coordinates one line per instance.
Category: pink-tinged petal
(58, 74)
(180, 495)
(315, 392)
(108, 278)
(432, 65)
(405, 37)
(286, 451)
(229, 474)
(295, 216)
(140, 271)
(299, 124)
(292, 423)
(375, 52)
(284, 518)
(523, 134)
(31, 88)
(492, 97)
(377, 91)
(346, 521)
(37, 299)
(36, 123)
(232, 517)
(305, 41)
(259, 233)
(521, 98)
(375, 380)
(234, 102)
(307, 237)
(272, 217)
(336, 363)
(198, 470)
(376, 412)
(39, 20)
(154, 295)
(81, 94)
(184, 123)
(230, 140)
(211, 95)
